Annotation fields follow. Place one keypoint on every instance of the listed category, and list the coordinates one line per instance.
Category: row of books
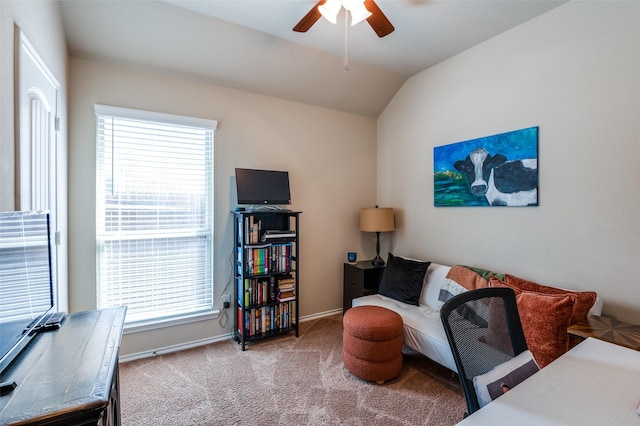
(268, 319)
(258, 291)
(252, 230)
(267, 258)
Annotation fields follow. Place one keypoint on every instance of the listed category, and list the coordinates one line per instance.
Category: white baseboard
(174, 348)
(213, 339)
(321, 315)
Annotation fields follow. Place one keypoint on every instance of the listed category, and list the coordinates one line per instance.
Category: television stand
(68, 376)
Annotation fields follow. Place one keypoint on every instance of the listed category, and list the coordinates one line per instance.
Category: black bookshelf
(266, 296)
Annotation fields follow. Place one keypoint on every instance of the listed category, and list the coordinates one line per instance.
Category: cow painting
(501, 182)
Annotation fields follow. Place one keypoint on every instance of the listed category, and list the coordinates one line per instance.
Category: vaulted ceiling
(250, 45)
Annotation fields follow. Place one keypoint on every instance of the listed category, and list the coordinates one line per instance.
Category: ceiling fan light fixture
(359, 13)
(330, 10)
(359, 10)
(351, 4)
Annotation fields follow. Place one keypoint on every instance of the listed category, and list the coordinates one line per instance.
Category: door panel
(37, 92)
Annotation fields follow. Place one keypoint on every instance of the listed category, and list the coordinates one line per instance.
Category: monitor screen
(26, 285)
(262, 186)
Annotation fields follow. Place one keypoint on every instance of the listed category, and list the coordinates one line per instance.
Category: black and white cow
(502, 182)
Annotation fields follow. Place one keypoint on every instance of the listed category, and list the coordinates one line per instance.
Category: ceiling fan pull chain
(345, 63)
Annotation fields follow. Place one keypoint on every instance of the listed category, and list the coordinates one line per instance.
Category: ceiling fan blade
(378, 21)
(309, 19)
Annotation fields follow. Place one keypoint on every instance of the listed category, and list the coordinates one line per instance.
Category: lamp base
(377, 261)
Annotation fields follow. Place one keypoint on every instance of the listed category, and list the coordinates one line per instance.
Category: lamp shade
(359, 13)
(330, 10)
(376, 219)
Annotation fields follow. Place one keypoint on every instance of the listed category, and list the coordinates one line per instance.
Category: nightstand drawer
(360, 279)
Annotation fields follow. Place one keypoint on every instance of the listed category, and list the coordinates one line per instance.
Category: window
(154, 214)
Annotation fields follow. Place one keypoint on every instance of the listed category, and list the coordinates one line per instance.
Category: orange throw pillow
(544, 318)
(584, 299)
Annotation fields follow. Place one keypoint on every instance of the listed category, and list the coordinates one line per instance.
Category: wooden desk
(609, 329)
(68, 376)
(595, 383)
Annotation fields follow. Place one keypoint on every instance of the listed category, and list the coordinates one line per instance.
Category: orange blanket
(467, 278)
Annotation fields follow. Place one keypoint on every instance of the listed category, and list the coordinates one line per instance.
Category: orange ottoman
(372, 343)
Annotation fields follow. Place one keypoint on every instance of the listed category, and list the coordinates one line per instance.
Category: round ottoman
(372, 343)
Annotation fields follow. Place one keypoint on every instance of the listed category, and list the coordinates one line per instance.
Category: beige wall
(330, 156)
(574, 73)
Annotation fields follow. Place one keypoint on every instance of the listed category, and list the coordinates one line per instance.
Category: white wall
(41, 22)
(574, 72)
(330, 156)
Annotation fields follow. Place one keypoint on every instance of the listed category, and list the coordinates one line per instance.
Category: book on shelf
(257, 320)
(286, 283)
(257, 260)
(267, 258)
(257, 291)
(253, 230)
(242, 292)
(286, 317)
(281, 257)
(266, 320)
(287, 297)
(273, 289)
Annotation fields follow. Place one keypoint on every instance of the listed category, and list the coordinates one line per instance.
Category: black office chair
(484, 330)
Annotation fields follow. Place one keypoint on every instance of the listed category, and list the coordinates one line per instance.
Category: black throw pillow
(402, 279)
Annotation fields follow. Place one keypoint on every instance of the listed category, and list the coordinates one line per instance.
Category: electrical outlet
(226, 300)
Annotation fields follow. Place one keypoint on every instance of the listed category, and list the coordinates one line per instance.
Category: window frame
(167, 119)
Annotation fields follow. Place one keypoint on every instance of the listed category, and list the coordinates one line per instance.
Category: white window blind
(154, 214)
(25, 275)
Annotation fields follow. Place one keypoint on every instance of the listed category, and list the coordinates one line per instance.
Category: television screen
(262, 186)
(26, 287)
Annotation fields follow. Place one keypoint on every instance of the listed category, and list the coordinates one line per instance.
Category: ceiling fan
(330, 8)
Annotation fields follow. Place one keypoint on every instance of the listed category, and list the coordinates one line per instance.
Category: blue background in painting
(514, 145)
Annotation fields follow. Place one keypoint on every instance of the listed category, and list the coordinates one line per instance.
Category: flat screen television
(262, 186)
(26, 281)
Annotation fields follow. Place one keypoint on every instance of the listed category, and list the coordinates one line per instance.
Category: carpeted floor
(285, 381)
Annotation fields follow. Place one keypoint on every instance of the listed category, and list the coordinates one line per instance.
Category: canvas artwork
(498, 170)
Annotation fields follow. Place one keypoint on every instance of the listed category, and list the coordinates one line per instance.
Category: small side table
(608, 329)
(360, 279)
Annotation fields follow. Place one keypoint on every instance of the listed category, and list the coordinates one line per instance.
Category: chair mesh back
(484, 330)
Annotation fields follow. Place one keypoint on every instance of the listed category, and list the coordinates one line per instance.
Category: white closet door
(38, 92)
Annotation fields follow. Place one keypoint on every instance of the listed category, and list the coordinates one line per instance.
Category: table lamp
(377, 220)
